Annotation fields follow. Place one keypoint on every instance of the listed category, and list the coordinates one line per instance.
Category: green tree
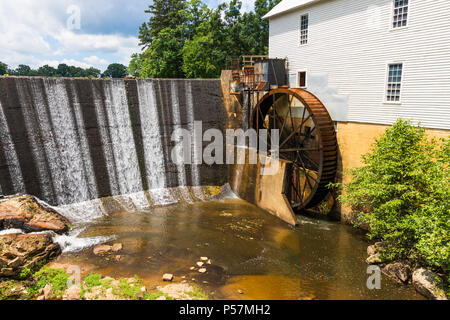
(402, 192)
(76, 72)
(47, 71)
(163, 14)
(204, 56)
(22, 70)
(3, 68)
(188, 39)
(135, 66)
(92, 73)
(63, 70)
(163, 59)
(115, 70)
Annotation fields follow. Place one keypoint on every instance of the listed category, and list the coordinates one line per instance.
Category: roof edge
(272, 13)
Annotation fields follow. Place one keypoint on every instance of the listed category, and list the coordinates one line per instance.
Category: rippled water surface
(254, 255)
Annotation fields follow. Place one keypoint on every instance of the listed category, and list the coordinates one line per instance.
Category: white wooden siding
(352, 42)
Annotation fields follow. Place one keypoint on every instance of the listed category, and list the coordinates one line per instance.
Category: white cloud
(75, 63)
(51, 63)
(35, 32)
(94, 60)
(71, 41)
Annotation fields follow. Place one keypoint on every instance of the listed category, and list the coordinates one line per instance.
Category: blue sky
(37, 32)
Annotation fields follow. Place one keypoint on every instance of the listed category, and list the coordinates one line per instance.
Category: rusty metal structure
(308, 139)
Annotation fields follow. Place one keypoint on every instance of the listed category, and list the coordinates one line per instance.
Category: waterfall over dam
(70, 140)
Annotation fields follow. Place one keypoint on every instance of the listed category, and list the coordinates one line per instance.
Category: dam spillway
(70, 140)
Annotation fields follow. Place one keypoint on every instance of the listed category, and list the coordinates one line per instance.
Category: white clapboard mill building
(369, 61)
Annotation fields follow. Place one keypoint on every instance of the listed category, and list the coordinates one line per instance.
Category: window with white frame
(400, 15)
(394, 82)
(304, 25)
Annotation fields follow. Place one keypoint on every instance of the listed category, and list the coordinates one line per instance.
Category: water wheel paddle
(307, 140)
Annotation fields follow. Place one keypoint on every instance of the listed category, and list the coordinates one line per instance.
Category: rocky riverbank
(24, 245)
(54, 284)
(30, 215)
(428, 283)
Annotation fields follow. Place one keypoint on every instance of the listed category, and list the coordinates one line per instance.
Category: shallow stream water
(253, 254)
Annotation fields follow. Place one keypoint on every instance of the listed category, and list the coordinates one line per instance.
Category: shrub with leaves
(402, 192)
(56, 277)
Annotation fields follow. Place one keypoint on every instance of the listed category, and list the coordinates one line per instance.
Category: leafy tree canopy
(115, 70)
(63, 70)
(186, 38)
(3, 68)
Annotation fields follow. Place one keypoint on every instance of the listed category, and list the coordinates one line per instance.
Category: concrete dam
(69, 141)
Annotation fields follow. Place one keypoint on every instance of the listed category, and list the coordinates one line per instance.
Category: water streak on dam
(69, 141)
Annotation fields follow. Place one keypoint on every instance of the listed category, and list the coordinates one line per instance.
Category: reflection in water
(254, 255)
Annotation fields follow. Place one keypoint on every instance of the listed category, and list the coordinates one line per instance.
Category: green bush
(402, 192)
(56, 277)
(93, 280)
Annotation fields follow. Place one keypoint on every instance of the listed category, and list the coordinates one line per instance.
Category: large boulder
(20, 251)
(26, 213)
(399, 271)
(428, 284)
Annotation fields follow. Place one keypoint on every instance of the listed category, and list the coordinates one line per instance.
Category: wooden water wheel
(307, 140)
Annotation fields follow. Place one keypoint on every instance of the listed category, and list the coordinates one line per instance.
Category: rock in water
(19, 251)
(102, 249)
(398, 271)
(117, 247)
(26, 213)
(428, 284)
(168, 277)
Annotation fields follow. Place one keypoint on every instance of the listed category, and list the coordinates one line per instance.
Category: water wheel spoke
(303, 122)
(268, 129)
(284, 121)
(298, 149)
(308, 159)
(309, 135)
(296, 191)
(296, 131)
(307, 175)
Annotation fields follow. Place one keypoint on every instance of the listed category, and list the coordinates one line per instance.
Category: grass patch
(198, 295)
(128, 290)
(56, 277)
(25, 273)
(93, 280)
(156, 295)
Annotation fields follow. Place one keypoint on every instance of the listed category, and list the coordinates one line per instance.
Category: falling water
(71, 142)
(151, 136)
(11, 155)
(176, 118)
(196, 152)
